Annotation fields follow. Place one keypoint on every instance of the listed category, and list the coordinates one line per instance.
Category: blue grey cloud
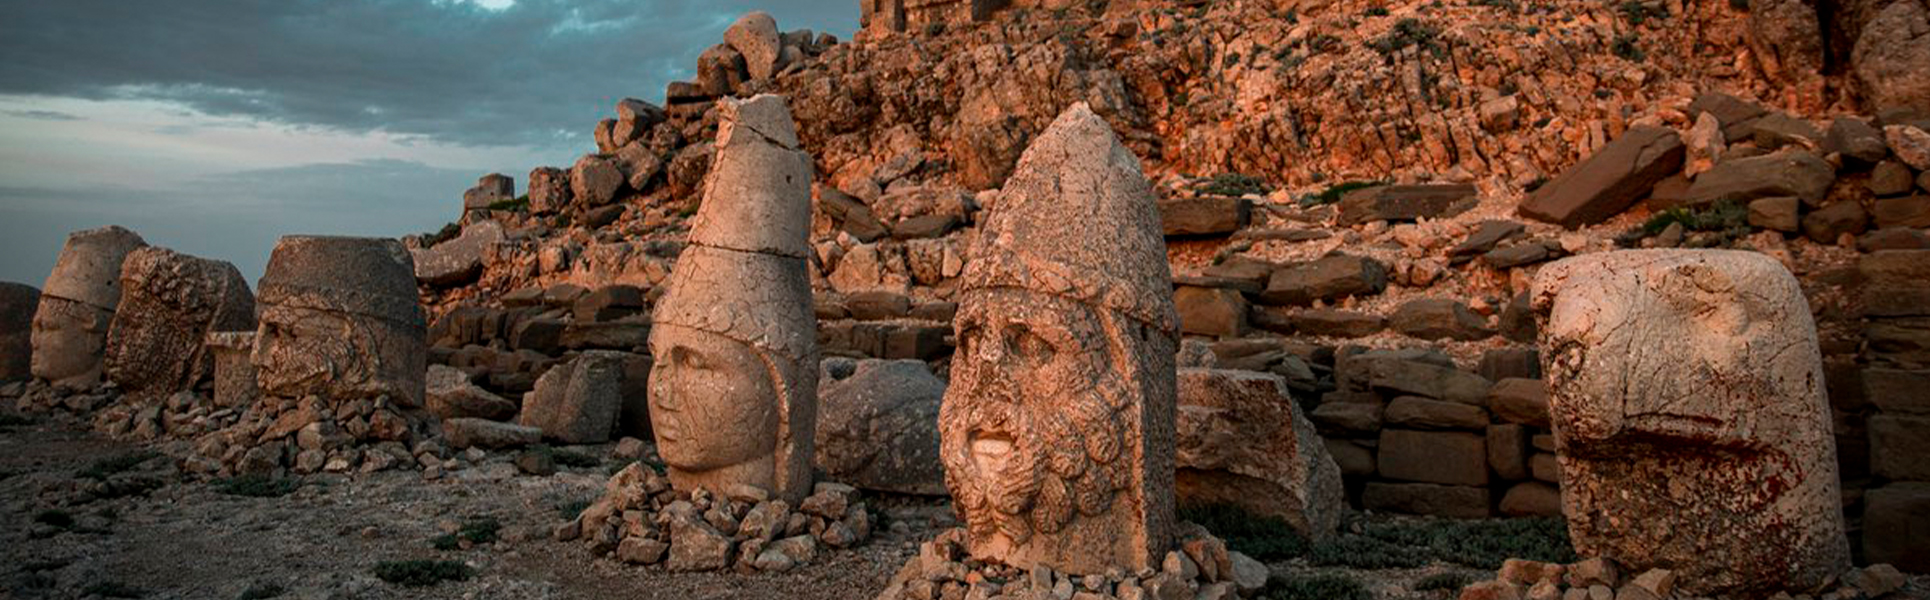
(43, 115)
(538, 73)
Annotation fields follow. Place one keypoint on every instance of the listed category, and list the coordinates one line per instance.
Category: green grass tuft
(1406, 543)
(1315, 587)
(1407, 32)
(1333, 193)
(570, 509)
(55, 517)
(517, 204)
(1624, 46)
(1728, 217)
(257, 486)
(1235, 184)
(421, 573)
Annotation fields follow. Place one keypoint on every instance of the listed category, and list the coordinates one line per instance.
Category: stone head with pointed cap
(733, 393)
(1057, 430)
(70, 327)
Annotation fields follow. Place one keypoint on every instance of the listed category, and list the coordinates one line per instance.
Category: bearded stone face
(301, 352)
(1040, 429)
(68, 340)
(713, 403)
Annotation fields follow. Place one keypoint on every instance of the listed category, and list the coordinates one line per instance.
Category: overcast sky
(214, 127)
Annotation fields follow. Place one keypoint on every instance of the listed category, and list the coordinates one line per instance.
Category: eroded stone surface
(77, 304)
(1243, 442)
(1057, 430)
(1686, 391)
(878, 428)
(340, 320)
(170, 302)
(733, 393)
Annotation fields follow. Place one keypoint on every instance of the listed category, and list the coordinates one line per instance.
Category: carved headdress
(1100, 252)
(359, 276)
(744, 275)
(89, 268)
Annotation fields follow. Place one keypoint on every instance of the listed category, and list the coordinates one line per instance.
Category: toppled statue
(1057, 431)
(340, 320)
(77, 306)
(733, 393)
(1686, 390)
(170, 302)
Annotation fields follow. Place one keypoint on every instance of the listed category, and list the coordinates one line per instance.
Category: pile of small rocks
(644, 521)
(1201, 569)
(1600, 579)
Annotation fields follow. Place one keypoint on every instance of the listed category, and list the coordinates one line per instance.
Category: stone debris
(1201, 567)
(1599, 578)
(641, 519)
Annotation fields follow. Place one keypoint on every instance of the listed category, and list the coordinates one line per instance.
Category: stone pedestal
(234, 375)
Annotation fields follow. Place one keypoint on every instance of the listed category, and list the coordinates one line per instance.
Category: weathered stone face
(1687, 398)
(339, 319)
(1057, 430)
(70, 328)
(733, 390)
(170, 302)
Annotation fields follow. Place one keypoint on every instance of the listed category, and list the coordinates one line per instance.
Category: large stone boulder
(577, 402)
(1891, 60)
(451, 395)
(17, 304)
(878, 428)
(1210, 215)
(1243, 442)
(77, 304)
(1406, 202)
(170, 302)
(1328, 278)
(460, 260)
(1610, 181)
(1691, 422)
(1798, 173)
(754, 35)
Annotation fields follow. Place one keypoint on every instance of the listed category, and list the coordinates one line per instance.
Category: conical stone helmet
(89, 268)
(1072, 223)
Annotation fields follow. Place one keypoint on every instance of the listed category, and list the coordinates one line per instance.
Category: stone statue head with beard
(1057, 429)
(340, 320)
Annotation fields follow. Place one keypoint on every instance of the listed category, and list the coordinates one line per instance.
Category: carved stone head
(339, 319)
(733, 391)
(1057, 430)
(170, 302)
(70, 328)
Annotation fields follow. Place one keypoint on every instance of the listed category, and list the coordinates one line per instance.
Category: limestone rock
(1079, 445)
(1243, 442)
(878, 428)
(1406, 203)
(733, 390)
(1891, 61)
(549, 190)
(490, 189)
(17, 305)
(1825, 224)
(77, 304)
(460, 260)
(578, 402)
(1892, 516)
(1610, 181)
(170, 302)
(1855, 138)
(1211, 311)
(1796, 173)
(340, 319)
(594, 180)
(755, 36)
(1457, 501)
(1776, 214)
(1413, 412)
(1523, 401)
(1329, 278)
(469, 432)
(234, 373)
(1439, 318)
(1207, 215)
(1450, 458)
(1665, 445)
(1911, 145)
(451, 395)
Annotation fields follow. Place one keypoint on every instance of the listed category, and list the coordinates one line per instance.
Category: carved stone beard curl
(1061, 460)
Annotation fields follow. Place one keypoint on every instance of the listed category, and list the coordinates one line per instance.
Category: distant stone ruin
(915, 15)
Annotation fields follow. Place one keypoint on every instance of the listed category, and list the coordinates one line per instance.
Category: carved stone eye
(1027, 345)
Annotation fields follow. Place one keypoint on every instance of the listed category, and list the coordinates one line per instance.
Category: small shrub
(1235, 184)
(257, 486)
(1367, 553)
(10, 420)
(1450, 581)
(112, 589)
(1333, 192)
(1624, 46)
(448, 232)
(1323, 43)
(567, 458)
(421, 573)
(517, 204)
(1739, 4)
(103, 468)
(1315, 587)
(1727, 216)
(1637, 12)
(57, 518)
(1377, 11)
(262, 592)
(1407, 32)
(1261, 537)
(570, 509)
(124, 487)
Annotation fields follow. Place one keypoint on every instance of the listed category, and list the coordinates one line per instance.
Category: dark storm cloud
(42, 115)
(536, 73)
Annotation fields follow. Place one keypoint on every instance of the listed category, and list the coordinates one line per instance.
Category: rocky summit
(1022, 299)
